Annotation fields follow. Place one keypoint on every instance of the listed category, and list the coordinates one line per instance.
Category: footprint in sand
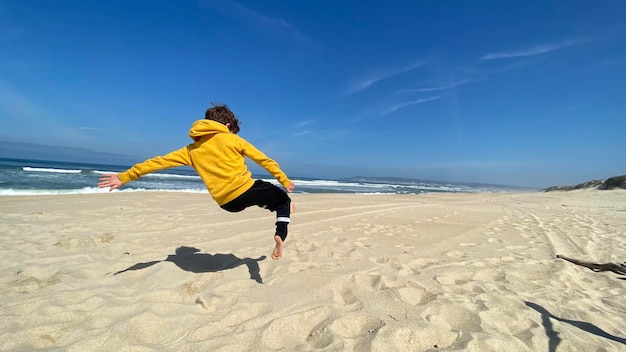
(415, 295)
(515, 247)
(104, 237)
(455, 254)
(363, 243)
(213, 301)
(508, 322)
(452, 316)
(395, 264)
(454, 279)
(143, 329)
(422, 263)
(67, 243)
(343, 294)
(25, 285)
(307, 327)
(405, 246)
(490, 275)
(467, 244)
(370, 282)
(320, 338)
(355, 325)
(508, 259)
(31, 283)
(422, 338)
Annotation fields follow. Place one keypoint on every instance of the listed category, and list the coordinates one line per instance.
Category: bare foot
(292, 208)
(278, 249)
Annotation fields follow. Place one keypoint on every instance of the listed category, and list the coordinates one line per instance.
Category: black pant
(268, 196)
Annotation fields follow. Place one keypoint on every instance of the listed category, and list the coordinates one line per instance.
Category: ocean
(37, 177)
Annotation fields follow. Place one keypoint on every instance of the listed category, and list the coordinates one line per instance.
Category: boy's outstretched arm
(176, 158)
(110, 180)
(268, 164)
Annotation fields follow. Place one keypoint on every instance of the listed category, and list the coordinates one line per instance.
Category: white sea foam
(42, 169)
(157, 175)
(331, 183)
(87, 190)
(44, 192)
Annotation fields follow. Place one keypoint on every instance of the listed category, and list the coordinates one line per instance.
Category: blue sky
(528, 93)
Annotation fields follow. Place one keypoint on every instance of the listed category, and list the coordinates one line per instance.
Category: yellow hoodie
(218, 157)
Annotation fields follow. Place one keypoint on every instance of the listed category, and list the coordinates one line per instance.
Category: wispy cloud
(90, 129)
(537, 50)
(396, 107)
(482, 71)
(442, 87)
(302, 133)
(248, 16)
(375, 77)
(302, 124)
(298, 128)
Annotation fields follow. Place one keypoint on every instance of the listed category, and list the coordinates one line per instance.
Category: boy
(217, 155)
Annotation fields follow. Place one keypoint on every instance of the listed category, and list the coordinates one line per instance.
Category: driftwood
(597, 267)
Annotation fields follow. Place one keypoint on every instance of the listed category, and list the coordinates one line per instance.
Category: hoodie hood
(202, 128)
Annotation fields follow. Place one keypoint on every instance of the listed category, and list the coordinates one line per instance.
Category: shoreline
(96, 191)
(172, 271)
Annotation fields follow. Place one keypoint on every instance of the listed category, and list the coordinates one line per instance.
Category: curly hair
(222, 114)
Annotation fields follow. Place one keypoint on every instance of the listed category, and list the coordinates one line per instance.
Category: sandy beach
(440, 272)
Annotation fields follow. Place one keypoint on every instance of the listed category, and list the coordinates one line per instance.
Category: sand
(441, 272)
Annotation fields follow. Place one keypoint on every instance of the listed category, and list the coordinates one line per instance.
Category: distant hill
(411, 181)
(617, 182)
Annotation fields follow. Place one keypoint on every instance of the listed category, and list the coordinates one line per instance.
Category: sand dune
(173, 272)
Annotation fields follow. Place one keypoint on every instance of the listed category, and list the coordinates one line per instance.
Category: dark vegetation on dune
(617, 182)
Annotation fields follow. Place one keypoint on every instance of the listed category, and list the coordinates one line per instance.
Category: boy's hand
(291, 187)
(109, 180)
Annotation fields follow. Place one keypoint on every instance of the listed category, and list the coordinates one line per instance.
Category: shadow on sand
(188, 258)
(553, 336)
